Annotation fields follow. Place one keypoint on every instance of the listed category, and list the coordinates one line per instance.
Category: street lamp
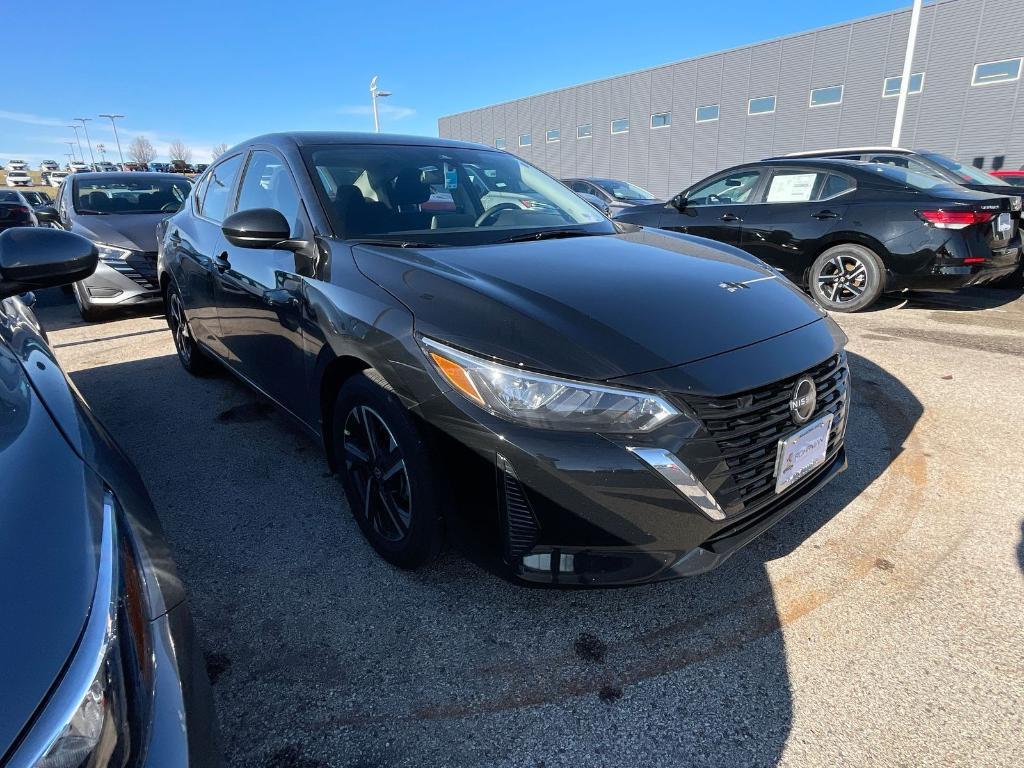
(71, 144)
(114, 125)
(79, 140)
(376, 93)
(83, 121)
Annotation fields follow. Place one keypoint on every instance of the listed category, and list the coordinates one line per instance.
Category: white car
(17, 165)
(77, 167)
(18, 179)
(49, 165)
(56, 178)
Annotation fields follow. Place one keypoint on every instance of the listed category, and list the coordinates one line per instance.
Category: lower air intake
(521, 528)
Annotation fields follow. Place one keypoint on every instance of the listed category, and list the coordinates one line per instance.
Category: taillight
(21, 209)
(955, 219)
(975, 260)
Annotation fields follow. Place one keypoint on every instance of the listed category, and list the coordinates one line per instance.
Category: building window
(525, 140)
(823, 97)
(762, 105)
(552, 135)
(499, 143)
(661, 120)
(891, 87)
(707, 114)
(620, 126)
(584, 131)
(992, 72)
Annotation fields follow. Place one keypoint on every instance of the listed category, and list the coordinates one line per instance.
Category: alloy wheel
(843, 278)
(180, 330)
(377, 468)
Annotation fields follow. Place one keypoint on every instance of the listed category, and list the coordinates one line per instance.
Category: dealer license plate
(1004, 224)
(800, 453)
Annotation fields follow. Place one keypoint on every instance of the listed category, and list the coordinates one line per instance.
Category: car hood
(135, 231)
(592, 307)
(49, 532)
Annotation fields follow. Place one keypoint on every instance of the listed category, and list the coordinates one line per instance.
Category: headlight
(85, 722)
(547, 401)
(111, 252)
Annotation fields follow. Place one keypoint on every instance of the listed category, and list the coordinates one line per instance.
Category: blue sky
(224, 70)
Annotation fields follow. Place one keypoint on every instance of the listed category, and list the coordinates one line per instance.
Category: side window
(267, 184)
(218, 189)
(198, 192)
(904, 161)
(581, 186)
(834, 186)
(796, 185)
(726, 190)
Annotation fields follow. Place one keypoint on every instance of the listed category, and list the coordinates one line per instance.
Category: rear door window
(795, 185)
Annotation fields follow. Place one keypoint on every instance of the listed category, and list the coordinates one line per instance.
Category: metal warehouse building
(666, 127)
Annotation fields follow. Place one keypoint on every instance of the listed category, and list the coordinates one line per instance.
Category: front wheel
(390, 481)
(847, 278)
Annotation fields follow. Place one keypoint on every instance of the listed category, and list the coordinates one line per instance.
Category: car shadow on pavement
(969, 299)
(324, 655)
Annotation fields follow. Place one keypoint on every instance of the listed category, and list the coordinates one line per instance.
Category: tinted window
(762, 105)
(734, 188)
(792, 186)
(907, 178)
(905, 161)
(581, 186)
(891, 86)
(707, 113)
(267, 184)
(821, 97)
(129, 195)
(835, 185)
(620, 126)
(996, 72)
(584, 131)
(661, 119)
(623, 190)
(967, 173)
(197, 194)
(222, 178)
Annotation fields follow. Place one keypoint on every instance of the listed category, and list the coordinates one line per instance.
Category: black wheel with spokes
(389, 479)
(847, 278)
(191, 357)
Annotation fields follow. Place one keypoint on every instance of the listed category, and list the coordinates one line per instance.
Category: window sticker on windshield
(451, 178)
(791, 188)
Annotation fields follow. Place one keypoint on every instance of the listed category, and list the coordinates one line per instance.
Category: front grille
(140, 267)
(521, 528)
(736, 458)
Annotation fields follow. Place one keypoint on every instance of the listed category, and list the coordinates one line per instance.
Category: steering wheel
(170, 208)
(484, 219)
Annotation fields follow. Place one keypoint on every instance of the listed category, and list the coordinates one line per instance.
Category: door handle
(221, 262)
(730, 217)
(825, 215)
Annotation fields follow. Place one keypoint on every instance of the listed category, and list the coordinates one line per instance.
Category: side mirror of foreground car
(678, 202)
(39, 257)
(47, 214)
(260, 228)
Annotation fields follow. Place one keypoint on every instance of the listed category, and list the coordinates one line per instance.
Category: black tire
(191, 356)
(847, 278)
(394, 491)
(89, 311)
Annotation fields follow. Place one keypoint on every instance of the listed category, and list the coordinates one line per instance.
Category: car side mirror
(678, 202)
(40, 257)
(47, 214)
(260, 228)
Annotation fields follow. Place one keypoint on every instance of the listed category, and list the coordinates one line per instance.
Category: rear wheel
(390, 481)
(191, 357)
(847, 278)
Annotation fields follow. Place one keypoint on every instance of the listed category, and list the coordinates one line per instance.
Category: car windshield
(443, 195)
(128, 195)
(968, 173)
(623, 190)
(906, 178)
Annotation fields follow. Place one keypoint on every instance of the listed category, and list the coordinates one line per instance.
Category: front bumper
(580, 509)
(122, 282)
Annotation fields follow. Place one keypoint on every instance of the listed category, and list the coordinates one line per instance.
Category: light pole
(83, 121)
(908, 64)
(103, 152)
(116, 139)
(78, 139)
(376, 93)
(71, 144)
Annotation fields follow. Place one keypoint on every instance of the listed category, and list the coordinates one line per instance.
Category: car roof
(847, 150)
(127, 176)
(313, 138)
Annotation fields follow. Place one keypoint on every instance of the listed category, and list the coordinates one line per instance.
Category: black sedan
(616, 194)
(603, 396)
(119, 213)
(100, 666)
(15, 210)
(850, 230)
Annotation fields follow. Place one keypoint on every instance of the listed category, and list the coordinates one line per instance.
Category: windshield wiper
(547, 234)
(396, 243)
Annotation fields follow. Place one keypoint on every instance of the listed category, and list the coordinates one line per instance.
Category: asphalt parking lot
(882, 624)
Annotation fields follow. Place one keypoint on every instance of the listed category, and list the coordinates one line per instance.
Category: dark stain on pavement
(591, 648)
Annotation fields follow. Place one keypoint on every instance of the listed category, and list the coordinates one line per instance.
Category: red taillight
(21, 209)
(975, 260)
(955, 219)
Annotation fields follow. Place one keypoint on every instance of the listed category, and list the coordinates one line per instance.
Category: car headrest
(409, 188)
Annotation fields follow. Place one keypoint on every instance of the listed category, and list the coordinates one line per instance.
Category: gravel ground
(880, 625)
